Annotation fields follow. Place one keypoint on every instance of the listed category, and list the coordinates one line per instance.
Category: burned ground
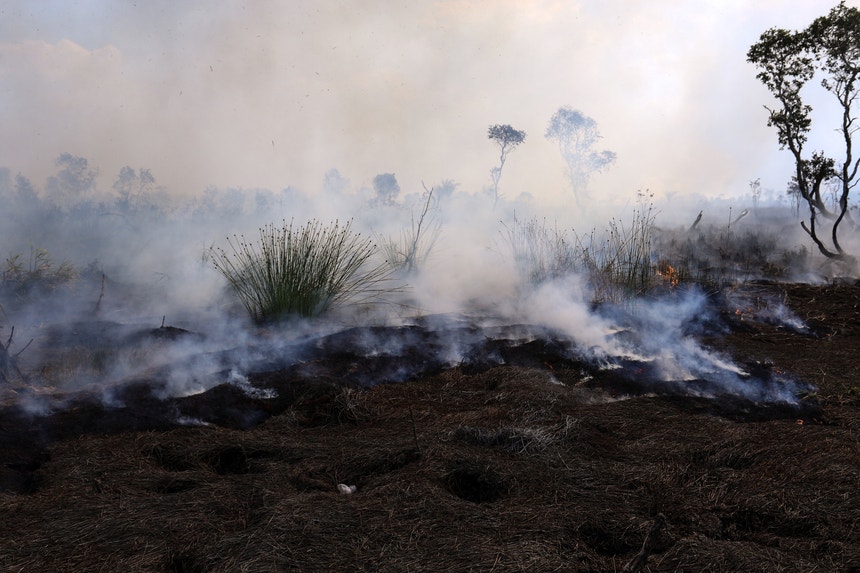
(523, 457)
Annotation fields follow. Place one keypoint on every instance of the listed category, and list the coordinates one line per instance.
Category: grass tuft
(617, 263)
(302, 271)
(540, 253)
(37, 271)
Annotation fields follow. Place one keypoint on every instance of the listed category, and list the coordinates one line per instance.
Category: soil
(523, 457)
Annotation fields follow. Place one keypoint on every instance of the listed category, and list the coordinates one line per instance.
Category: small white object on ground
(346, 489)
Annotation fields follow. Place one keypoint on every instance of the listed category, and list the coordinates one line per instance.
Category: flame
(668, 273)
(743, 313)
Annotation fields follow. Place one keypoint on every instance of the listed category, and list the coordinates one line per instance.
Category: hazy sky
(274, 93)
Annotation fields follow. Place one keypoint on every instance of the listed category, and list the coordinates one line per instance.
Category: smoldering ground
(512, 395)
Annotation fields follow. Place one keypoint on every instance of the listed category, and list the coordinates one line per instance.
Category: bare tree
(755, 191)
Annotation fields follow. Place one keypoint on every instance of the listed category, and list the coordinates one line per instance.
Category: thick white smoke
(242, 112)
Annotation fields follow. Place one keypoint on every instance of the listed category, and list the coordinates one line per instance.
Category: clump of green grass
(302, 271)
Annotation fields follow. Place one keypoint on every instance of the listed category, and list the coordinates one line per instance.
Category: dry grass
(499, 470)
(210, 499)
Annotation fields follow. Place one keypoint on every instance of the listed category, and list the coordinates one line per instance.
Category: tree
(576, 135)
(445, 189)
(386, 188)
(73, 182)
(755, 190)
(133, 187)
(507, 138)
(334, 183)
(26, 193)
(787, 61)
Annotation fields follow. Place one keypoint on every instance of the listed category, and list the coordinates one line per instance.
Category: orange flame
(668, 273)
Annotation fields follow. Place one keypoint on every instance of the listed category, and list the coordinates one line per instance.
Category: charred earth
(453, 444)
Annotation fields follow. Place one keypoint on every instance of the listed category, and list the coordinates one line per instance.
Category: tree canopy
(576, 135)
(828, 48)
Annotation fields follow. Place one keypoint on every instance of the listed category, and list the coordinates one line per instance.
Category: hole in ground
(605, 541)
(172, 485)
(475, 482)
(233, 460)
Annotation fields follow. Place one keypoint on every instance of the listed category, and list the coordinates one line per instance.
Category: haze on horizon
(274, 94)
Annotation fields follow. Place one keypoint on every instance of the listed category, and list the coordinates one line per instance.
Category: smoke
(146, 303)
(563, 305)
(269, 94)
(257, 114)
(662, 336)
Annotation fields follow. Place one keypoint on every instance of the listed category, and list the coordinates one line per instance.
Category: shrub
(301, 272)
(38, 271)
(715, 256)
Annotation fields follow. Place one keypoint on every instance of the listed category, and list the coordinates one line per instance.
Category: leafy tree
(445, 188)
(786, 62)
(576, 135)
(507, 138)
(25, 191)
(386, 188)
(20, 206)
(334, 183)
(73, 182)
(133, 187)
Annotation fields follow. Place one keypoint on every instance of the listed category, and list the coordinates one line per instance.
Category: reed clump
(618, 264)
(302, 271)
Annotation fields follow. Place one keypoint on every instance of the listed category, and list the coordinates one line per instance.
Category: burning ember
(764, 308)
(668, 274)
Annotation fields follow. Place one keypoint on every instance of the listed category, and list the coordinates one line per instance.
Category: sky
(270, 94)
